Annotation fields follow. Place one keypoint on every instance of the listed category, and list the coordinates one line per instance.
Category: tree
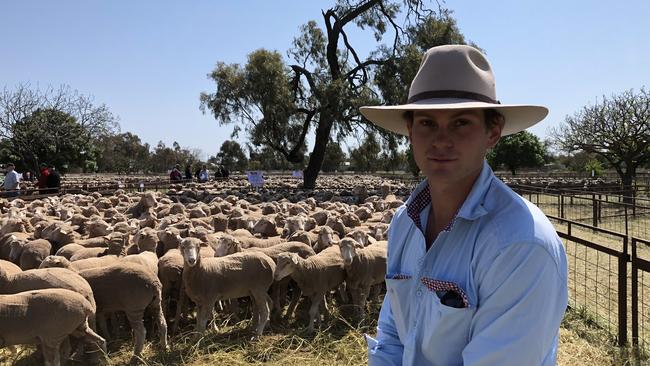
(520, 150)
(334, 157)
(123, 153)
(412, 165)
(51, 136)
(323, 87)
(616, 129)
(29, 113)
(232, 156)
(365, 158)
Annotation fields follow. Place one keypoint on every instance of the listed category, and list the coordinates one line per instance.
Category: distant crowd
(201, 174)
(48, 180)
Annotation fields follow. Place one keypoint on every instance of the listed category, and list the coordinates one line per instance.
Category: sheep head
(225, 244)
(326, 239)
(55, 261)
(349, 247)
(117, 243)
(360, 236)
(287, 263)
(293, 224)
(146, 240)
(16, 248)
(190, 249)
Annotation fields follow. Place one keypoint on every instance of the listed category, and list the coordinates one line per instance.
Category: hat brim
(518, 117)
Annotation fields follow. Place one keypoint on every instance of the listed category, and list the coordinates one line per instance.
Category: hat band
(454, 94)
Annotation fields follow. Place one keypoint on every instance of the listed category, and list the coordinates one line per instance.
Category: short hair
(491, 116)
(10, 164)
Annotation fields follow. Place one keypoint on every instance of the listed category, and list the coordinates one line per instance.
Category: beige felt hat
(454, 77)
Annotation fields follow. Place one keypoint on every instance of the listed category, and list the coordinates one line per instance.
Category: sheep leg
(101, 318)
(314, 313)
(343, 293)
(156, 308)
(203, 316)
(51, 353)
(179, 307)
(139, 332)
(262, 310)
(276, 293)
(295, 297)
(324, 309)
(90, 337)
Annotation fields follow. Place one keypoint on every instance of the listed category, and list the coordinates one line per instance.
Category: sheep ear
(106, 237)
(75, 227)
(294, 258)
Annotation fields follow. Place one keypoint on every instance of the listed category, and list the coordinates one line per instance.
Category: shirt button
(418, 292)
(420, 261)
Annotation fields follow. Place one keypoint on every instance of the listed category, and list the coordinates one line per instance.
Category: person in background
(42, 179)
(204, 175)
(175, 174)
(12, 181)
(188, 172)
(53, 180)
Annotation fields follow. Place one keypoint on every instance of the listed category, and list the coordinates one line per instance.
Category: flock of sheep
(71, 265)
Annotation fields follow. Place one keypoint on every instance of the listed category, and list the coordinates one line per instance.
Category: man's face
(449, 146)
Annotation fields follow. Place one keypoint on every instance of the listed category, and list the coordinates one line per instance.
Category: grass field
(582, 343)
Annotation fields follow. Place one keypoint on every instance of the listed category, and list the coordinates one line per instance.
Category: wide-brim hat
(454, 77)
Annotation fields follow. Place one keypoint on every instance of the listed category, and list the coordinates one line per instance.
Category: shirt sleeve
(387, 349)
(522, 297)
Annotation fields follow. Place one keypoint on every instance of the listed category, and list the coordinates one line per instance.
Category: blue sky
(148, 60)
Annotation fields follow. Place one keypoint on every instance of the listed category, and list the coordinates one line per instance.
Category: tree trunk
(318, 154)
(628, 191)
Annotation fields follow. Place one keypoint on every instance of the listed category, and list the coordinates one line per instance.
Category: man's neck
(446, 200)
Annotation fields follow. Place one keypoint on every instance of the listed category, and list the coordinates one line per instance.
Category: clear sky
(147, 60)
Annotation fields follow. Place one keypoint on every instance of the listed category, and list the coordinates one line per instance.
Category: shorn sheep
(207, 280)
(46, 317)
(315, 276)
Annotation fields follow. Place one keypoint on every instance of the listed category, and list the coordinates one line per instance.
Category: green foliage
(334, 157)
(123, 153)
(365, 158)
(412, 165)
(594, 166)
(51, 136)
(231, 155)
(164, 158)
(521, 150)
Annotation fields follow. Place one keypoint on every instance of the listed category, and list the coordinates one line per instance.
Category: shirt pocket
(446, 329)
(399, 288)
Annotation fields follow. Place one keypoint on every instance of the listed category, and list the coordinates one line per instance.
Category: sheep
(315, 276)
(46, 317)
(364, 267)
(278, 289)
(9, 268)
(248, 242)
(36, 279)
(324, 239)
(170, 271)
(131, 288)
(98, 228)
(207, 280)
(69, 250)
(265, 226)
(145, 244)
(116, 245)
(80, 265)
(146, 201)
(33, 253)
(7, 240)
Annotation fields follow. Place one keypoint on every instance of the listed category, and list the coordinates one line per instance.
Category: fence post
(594, 210)
(635, 300)
(561, 206)
(622, 295)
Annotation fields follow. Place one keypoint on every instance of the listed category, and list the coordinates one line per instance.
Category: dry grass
(582, 342)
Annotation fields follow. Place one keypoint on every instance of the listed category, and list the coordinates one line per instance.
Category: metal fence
(640, 307)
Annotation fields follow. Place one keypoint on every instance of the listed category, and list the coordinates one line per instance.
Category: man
(175, 174)
(476, 275)
(204, 175)
(42, 179)
(53, 180)
(12, 180)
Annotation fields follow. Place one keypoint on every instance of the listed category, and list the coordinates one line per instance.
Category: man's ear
(494, 133)
(409, 126)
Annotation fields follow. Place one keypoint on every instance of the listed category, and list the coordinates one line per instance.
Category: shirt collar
(471, 209)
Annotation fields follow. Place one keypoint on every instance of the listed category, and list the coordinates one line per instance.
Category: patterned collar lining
(418, 203)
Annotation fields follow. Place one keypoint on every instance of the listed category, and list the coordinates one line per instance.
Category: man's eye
(426, 122)
(461, 122)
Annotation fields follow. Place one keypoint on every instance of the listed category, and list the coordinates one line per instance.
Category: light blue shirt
(11, 181)
(502, 255)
